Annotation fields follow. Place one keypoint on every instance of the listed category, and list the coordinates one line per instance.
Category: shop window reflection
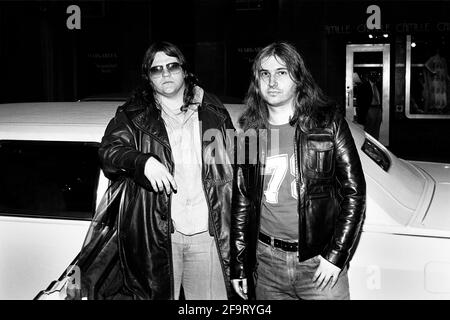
(430, 81)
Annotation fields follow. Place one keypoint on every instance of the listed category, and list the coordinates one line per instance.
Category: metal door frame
(349, 65)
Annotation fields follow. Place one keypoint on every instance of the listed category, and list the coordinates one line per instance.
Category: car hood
(438, 213)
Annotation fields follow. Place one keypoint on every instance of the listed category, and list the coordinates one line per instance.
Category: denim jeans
(280, 276)
(196, 266)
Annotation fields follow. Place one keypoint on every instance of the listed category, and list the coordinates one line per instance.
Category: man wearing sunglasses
(174, 224)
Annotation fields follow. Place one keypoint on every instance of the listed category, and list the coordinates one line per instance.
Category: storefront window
(427, 77)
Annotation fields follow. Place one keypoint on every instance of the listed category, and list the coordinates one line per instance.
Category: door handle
(348, 96)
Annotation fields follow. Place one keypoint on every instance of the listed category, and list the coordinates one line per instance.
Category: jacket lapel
(209, 119)
(153, 127)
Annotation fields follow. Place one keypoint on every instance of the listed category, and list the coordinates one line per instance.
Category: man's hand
(159, 177)
(240, 286)
(326, 274)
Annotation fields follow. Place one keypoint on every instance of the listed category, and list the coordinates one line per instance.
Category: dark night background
(42, 60)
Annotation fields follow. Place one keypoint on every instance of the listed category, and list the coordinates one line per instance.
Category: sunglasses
(172, 68)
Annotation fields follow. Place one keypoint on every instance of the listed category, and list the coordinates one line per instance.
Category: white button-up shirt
(189, 209)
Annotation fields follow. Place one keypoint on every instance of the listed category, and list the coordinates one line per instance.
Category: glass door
(367, 88)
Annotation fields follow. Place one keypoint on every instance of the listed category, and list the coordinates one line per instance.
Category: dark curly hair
(312, 107)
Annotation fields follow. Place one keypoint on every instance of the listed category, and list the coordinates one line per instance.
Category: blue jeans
(196, 266)
(280, 276)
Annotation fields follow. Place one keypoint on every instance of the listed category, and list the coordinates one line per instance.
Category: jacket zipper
(298, 180)
(169, 236)
(260, 174)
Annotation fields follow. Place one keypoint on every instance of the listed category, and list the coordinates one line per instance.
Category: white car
(48, 151)
(49, 185)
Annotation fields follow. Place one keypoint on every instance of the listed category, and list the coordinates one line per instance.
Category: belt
(278, 243)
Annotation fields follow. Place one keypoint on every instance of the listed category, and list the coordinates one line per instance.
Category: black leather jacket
(145, 226)
(331, 205)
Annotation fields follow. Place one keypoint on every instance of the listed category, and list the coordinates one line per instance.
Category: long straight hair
(145, 92)
(311, 107)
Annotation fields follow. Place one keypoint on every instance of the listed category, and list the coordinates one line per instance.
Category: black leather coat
(144, 226)
(331, 205)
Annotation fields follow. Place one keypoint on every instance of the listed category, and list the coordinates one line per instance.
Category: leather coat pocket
(319, 155)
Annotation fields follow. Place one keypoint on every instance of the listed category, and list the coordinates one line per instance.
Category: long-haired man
(174, 221)
(300, 206)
